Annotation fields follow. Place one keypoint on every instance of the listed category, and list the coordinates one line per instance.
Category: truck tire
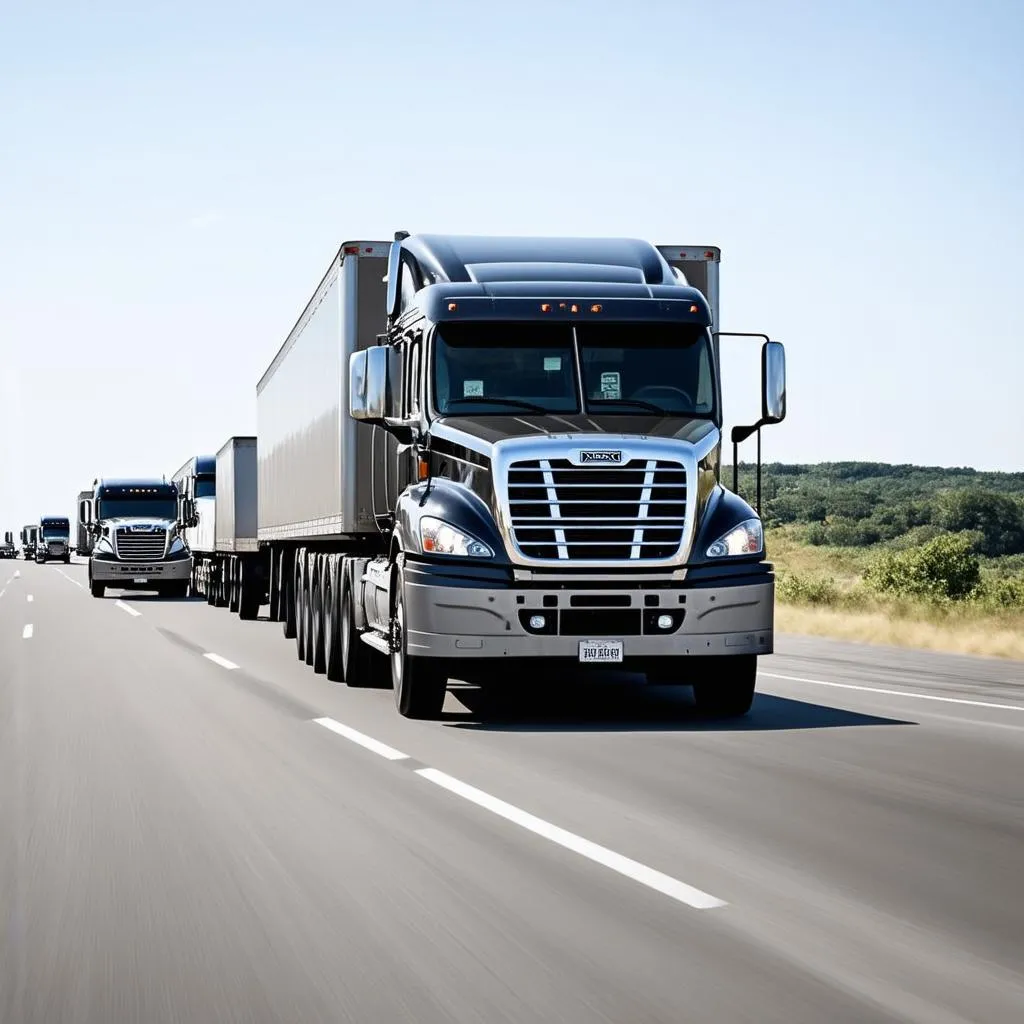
(420, 684)
(361, 667)
(317, 650)
(175, 591)
(234, 591)
(731, 693)
(334, 668)
(307, 605)
(96, 589)
(287, 597)
(249, 591)
(300, 604)
(67, 559)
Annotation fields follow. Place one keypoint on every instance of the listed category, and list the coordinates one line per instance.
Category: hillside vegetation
(909, 555)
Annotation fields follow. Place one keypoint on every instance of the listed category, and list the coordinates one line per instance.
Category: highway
(195, 827)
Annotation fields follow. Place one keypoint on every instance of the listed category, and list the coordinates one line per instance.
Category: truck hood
(480, 433)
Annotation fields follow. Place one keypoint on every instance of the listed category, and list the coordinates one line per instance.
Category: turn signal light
(423, 468)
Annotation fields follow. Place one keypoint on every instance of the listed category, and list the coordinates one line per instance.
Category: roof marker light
(574, 308)
(596, 308)
(545, 307)
(694, 308)
(452, 307)
(351, 250)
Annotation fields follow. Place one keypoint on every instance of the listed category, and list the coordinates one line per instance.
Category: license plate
(140, 579)
(600, 652)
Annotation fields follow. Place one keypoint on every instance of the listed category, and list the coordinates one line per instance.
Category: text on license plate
(601, 651)
(140, 579)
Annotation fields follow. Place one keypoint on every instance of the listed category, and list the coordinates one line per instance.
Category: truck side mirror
(375, 382)
(773, 382)
(8, 538)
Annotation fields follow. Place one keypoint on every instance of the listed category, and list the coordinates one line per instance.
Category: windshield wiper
(517, 403)
(637, 402)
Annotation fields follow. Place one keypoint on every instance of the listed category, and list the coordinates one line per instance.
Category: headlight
(745, 539)
(176, 545)
(440, 538)
(104, 545)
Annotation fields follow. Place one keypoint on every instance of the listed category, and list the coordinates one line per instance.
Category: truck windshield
(504, 368)
(627, 367)
(156, 507)
(55, 530)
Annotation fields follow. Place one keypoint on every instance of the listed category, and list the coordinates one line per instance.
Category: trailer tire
(317, 653)
(233, 590)
(732, 693)
(286, 587)
(299, 603)
(249, 590)
(334, 667)
(420, 684)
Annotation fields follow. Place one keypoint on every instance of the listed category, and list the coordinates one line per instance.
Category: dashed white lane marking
(26, 633)
(362, 739)
(895, 693)
(17, 575)
(127, 608)
(70, 579)
(218, 660)
(638, 872)
(30, 598)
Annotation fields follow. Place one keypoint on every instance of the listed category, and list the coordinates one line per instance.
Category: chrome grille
(140, 547)
(629, 513)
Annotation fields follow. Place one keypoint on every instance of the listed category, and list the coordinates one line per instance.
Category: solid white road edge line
(127, 608)
(895, 693)
(26, 633)
(638, 872)
(362, 739)
(218, 660)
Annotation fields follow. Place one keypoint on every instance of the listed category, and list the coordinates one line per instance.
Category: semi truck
(54, 540)
(137, 537)
(7, 549)
(83, 538)
(29, 538)
(227, 565)
(196, 483)
(478, 455)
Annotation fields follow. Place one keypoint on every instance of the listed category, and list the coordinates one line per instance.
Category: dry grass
(995, 638)
(843, 608)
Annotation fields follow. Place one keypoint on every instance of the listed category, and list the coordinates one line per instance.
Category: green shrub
(944, 568)
(816, 590)
(1007, 592)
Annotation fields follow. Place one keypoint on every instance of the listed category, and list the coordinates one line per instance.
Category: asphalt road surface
(195, 827)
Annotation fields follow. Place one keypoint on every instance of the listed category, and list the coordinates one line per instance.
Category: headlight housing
(745, 539)
(177, 546)
(440, 538)
(104, 545)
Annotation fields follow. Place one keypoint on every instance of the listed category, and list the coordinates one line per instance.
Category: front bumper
(139, 575)
(58, 550)
(453, 618)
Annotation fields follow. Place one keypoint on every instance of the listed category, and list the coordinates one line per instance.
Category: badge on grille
(603, 456)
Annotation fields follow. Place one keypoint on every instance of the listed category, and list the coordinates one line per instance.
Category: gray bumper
(127, 575)
(469, 622)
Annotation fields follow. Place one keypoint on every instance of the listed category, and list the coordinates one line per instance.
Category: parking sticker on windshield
(611, 384)
(473, 389)
(552, 364)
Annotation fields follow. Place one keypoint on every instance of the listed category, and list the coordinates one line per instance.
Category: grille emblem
(601, 456)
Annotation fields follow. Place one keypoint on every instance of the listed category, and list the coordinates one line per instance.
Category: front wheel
(420, 684)
(67, 559)
(97, 589)
(731, 693)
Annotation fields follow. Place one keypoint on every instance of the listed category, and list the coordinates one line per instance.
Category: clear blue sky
(175, 177)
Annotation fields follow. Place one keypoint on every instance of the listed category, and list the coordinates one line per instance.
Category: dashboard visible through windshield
(508, 368)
